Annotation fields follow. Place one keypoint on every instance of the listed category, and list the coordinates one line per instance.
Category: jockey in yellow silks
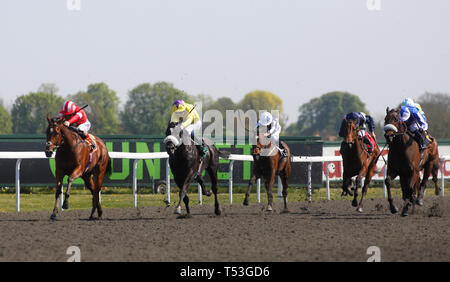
(187, 116)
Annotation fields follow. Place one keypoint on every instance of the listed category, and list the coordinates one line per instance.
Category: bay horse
(269, 164)
(73, 158)
(186, 165)
(357, 162)
(406, 161)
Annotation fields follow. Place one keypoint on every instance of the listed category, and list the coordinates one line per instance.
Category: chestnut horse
(73, 158)
(357, 162)
(406, 161)
(268, 163)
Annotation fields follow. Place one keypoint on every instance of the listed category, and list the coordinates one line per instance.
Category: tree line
(147, 110)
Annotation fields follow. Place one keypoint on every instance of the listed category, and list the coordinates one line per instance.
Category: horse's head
(392, 124)
(54, 135)
(263, 146)
(173, 137)
(350, 132)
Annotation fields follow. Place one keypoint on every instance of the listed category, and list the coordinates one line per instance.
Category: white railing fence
(19, 156)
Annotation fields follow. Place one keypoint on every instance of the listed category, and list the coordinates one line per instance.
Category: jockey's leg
(199, 144)
(275, 139)
(85, 129)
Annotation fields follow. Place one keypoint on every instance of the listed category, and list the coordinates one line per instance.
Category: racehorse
(186, 165)
(406, 161)
(268, 163)
(356, 161)
(73, 158)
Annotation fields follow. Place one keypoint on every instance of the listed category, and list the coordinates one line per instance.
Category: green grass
(122, 198)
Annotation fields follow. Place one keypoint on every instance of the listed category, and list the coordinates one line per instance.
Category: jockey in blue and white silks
(412, 114)
(361, 121)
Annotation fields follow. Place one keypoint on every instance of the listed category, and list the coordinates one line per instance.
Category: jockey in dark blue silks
(361, 121)
(415, 119)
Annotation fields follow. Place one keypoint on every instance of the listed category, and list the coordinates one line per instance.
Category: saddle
(89, 140)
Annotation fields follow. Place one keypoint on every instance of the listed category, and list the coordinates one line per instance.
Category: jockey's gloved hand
(66, 123)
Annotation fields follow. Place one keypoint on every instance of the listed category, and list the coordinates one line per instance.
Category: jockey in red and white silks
(75, 116)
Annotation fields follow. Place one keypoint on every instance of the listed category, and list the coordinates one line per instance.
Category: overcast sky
(296, 49)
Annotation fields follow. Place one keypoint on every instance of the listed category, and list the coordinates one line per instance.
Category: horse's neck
(183, 151)
(69, 136)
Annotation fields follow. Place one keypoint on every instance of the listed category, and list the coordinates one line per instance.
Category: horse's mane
(59, 122)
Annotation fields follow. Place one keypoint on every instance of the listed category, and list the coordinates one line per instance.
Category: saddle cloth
(372, 141)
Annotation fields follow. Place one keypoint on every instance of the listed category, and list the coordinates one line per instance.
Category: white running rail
(19, 156)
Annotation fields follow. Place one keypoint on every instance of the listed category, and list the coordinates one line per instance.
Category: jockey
(273, 130)
(76, 117)
(361, 121)
(190, 121)
(412, 114)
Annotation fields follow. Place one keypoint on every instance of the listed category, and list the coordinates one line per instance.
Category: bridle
(396, 126)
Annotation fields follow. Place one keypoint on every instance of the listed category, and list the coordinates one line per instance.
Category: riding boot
(201, 147)
(82, 134)
(93, 147)
(420, 137)
(283, 152)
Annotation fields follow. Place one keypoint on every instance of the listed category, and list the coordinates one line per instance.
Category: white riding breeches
(85, 126)
(194, 127)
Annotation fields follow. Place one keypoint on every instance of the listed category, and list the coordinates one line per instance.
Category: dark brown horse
(268, 163)
(186, 165)
(73, 158)
(406, 161)
(357, 162)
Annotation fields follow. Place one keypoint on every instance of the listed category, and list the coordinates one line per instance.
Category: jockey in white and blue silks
(273, 130)
(411, 113)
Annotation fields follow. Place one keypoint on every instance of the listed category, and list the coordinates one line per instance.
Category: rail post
(258, 190)
(199, 194)
(18, 162)
(309, 182)
(442, 177)
(327, 174)
(230, 184)
(384, 180)
(135, 183)
(167, 181)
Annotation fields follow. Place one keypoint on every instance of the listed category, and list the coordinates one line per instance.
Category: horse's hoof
(405, 212)
(53, 216)
(177, 210)
(91, 218)
(208, 193)
(217, 211)
(65, 205)
(394, 210)
(355, 203)
(285, 211)
(437, 192)
(419, 202)
(359, 209)
(245, 202)
(269, 208)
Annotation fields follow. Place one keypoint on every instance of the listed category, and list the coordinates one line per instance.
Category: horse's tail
(224, 154)
(109, 167)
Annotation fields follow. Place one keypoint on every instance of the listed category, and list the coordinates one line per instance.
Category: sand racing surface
(317, 231)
